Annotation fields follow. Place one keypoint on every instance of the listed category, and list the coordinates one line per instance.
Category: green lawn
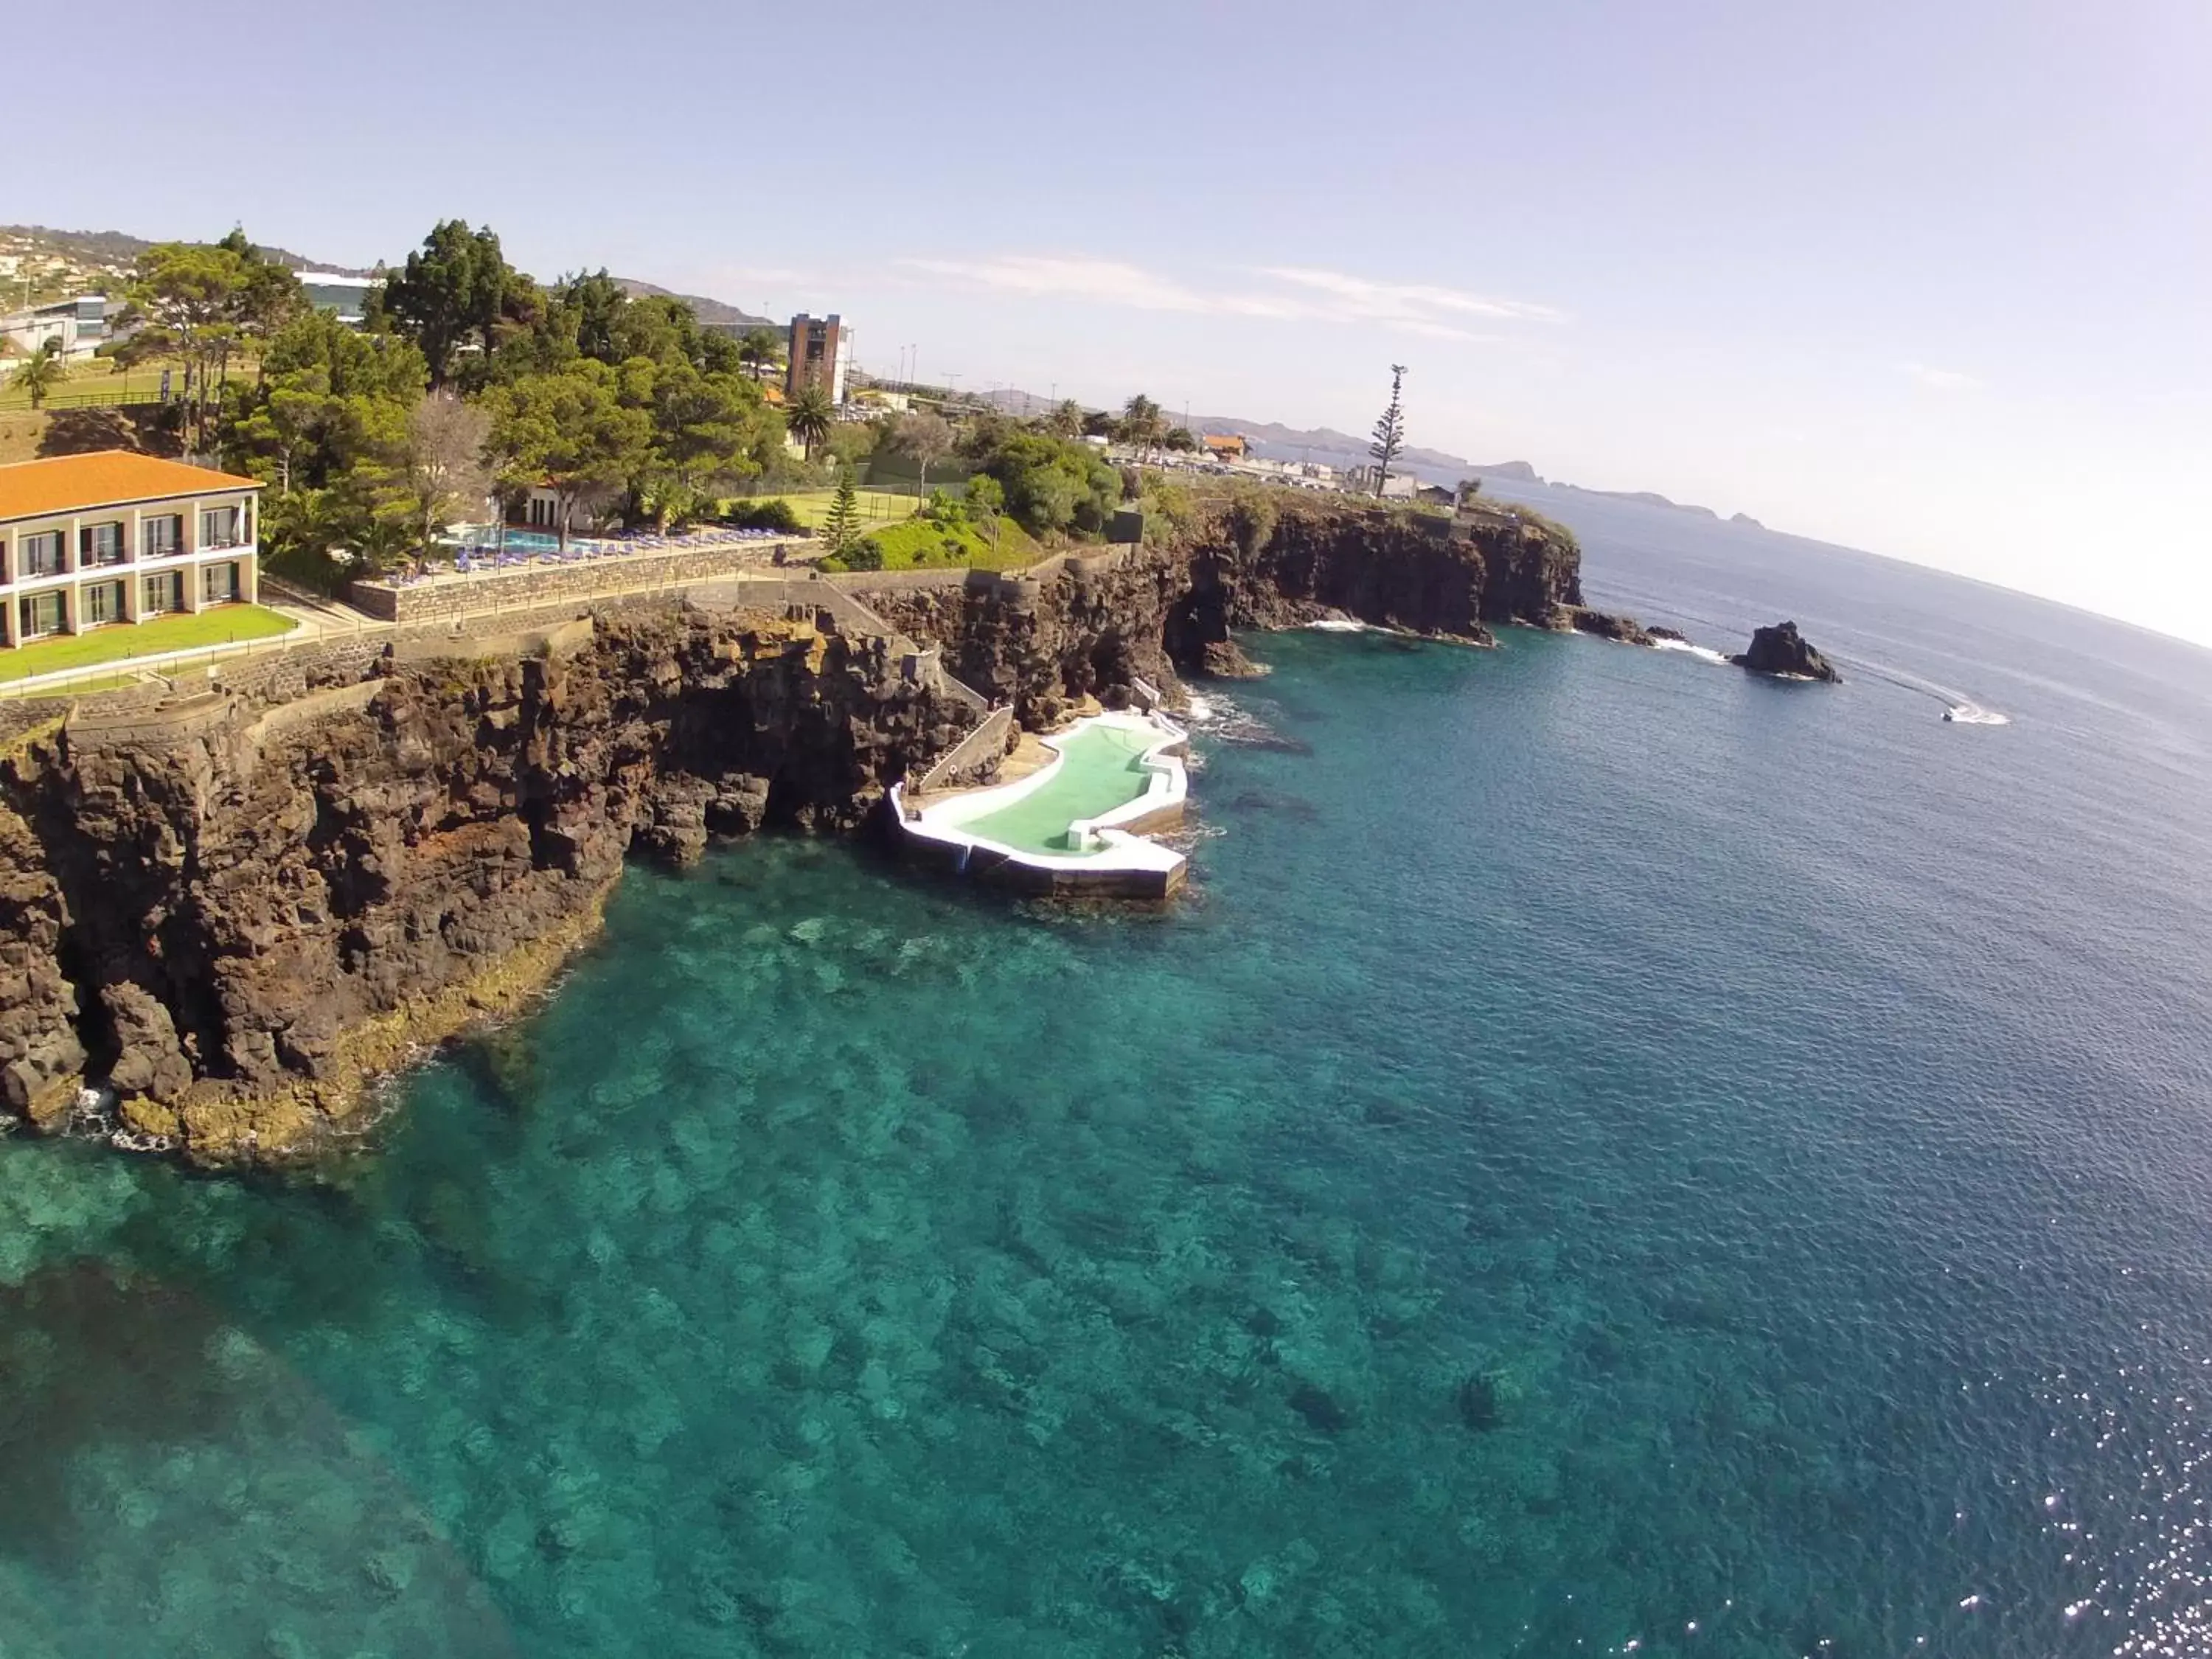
(123, 641)
(99, 378)
(919, 544)
(877, 506)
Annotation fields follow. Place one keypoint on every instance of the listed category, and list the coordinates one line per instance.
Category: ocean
(1612, 1156)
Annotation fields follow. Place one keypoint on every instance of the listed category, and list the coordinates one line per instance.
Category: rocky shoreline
(233, 909)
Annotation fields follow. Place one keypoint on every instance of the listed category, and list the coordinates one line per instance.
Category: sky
(1932, 279)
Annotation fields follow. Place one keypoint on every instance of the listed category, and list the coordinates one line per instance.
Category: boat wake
(1689, 648)
(1958, 708)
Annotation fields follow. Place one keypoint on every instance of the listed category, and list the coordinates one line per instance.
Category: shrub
(773, 514)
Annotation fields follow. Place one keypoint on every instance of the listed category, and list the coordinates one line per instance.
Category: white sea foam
(1969, 713)
(1338, 625)
(1702, 652)
(1199, 709)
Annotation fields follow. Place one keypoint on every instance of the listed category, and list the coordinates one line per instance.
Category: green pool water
(1103, 769)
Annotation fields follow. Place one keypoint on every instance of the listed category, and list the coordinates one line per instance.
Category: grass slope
(122, 642)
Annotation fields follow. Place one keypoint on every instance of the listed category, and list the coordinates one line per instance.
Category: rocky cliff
(1084, 625)
(232, 915)
(230, 910)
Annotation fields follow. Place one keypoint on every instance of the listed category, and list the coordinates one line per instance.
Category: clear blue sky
(1930, 278)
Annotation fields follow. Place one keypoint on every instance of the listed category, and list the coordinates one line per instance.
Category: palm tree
(808, 416)
(43, 373)
(1065, 420)
(1140, 422)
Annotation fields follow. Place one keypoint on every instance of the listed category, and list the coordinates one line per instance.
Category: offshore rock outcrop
(1782, 651)
(233, 917)
(1625, 630)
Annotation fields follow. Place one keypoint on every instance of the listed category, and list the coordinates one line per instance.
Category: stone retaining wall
(172, 723)
(867, 581)
(975, 756)
(541, 584)
(311, 665)
(564, 640)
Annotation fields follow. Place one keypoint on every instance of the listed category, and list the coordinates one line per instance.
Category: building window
(100, 543)
(42, 553)
(219, 528)
(40, 614)
(103, 602)
(219, 583)
(163, 536)
(164, 593)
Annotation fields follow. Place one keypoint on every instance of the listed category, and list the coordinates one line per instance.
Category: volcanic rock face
(1781, 650)
(233, 909)
(233, 919)
(1093, 624)
(1605, 625)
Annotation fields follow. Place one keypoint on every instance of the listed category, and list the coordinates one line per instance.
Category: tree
(200, 302)
(710, 433)
(756, 350)
(986, 495)
(1141, 424)
(452, 294)
(443, 472)
(809, 415)
(43, 372)
(1389, 430)
(1181, 440)
(1051, 484)
(1468, 489)
(569, 433)
(332, 399)
(987, 505)
(923, 438)
(841, 528)
(1066, 419)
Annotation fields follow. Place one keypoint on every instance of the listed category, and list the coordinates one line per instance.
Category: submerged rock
(1320, 1409)
(1480, 1407)
(1784, 652)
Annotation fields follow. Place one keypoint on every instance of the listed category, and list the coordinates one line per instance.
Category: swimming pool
(1074, 823)
(1100, 768)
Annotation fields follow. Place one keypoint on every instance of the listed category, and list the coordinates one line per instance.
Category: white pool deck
(1102, 854)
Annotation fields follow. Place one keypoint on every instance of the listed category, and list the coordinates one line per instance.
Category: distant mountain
(1643, 498)
(711, 314)
(112, 251)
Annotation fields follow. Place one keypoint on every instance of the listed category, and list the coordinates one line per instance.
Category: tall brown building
(821, 347)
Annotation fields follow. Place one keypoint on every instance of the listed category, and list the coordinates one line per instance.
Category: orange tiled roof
(108, 477)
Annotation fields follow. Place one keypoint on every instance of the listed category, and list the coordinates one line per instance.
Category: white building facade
(94, 541)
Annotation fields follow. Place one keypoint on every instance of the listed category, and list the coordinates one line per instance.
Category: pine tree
(1389, 431)
(843, 528)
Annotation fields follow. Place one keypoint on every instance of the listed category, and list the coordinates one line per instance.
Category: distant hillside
(112, 252)
(1646, 498)
(711, 313)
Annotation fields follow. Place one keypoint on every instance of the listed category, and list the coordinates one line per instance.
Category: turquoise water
(1608, 1146)
(1102, 767)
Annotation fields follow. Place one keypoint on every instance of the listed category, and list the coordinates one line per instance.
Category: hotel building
(87, 541)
